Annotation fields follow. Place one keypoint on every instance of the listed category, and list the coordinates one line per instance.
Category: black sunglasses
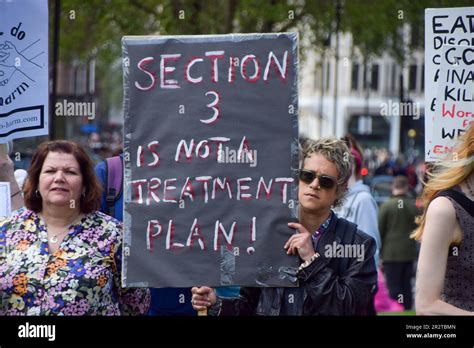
(325, 181)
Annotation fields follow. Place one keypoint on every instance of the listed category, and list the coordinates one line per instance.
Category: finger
(289, 241)
(198, 298)
(198, 304)
(299, 227)
(195, 290)
(292, 249)
(203, 290)
(294, 225)
(294, 238)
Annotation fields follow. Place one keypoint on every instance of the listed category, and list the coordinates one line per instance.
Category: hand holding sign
(203, 297)
(6, 164)
(300, 242)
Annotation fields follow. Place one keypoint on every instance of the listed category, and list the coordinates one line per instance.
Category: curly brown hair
(93, 191)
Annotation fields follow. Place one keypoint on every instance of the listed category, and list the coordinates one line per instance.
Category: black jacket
(333, 284)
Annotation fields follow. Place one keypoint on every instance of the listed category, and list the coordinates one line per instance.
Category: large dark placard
(211, 155)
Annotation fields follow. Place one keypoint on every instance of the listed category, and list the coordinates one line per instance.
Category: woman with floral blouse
(60, 256)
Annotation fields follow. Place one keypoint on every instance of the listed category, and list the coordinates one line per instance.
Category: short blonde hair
(337, 152)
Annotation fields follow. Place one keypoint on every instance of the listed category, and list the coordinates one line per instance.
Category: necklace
(55, 237)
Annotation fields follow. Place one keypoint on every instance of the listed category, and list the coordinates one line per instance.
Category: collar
(323, 228)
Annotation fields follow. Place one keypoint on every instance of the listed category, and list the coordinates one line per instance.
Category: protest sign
(443, 26)
(210, 153)
(5, 200)
(23, 69)
(455, 98)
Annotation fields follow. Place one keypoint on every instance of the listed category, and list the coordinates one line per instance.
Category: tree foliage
(94, 28)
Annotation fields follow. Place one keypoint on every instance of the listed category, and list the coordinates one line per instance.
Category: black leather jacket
(333, 284)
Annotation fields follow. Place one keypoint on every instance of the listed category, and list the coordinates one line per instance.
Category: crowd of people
(61, 250)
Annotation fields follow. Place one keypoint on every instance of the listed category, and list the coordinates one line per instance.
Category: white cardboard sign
(444, 26)
(23, 69)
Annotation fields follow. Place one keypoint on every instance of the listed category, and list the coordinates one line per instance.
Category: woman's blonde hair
(446, 175)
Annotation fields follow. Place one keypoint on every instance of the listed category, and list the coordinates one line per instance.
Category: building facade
(375, 108)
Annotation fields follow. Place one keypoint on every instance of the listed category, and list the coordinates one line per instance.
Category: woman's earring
(37, 194)
(83, 194)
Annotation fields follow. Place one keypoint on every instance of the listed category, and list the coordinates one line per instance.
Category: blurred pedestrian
(396, 222)
(359, 206)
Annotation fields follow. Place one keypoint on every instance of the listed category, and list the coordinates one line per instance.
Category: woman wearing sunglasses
(337, 272)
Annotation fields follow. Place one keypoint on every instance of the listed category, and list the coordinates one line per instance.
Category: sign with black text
(24, 89)
(446, 26)
(455, 98)
(210, 152)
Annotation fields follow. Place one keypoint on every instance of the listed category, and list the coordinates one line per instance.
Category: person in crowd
(359, 206)
(396, 222)
(411, 175)
(444, 281)
(386, 164)
(59, 255)
(328, 285)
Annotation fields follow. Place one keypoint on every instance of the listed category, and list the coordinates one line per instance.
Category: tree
(93, 29)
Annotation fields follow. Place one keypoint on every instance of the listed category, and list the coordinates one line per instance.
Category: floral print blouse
(83, 277)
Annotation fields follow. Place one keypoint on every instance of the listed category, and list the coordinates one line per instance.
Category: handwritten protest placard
(210, 159)
(455, 98)
(444, 26)
(24, 89)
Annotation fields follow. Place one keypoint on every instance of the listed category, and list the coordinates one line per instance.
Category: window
(393, 80)
(92, 77)
(366, 77)
(80, 81)
(412, 77)
(328, 75)
(416, 31)
(423, 78)
(374, 77)
(355, 77)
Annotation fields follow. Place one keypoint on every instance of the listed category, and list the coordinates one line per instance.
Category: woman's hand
(6, 168)
(300, 242)
(203, 297)
(7, 174)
